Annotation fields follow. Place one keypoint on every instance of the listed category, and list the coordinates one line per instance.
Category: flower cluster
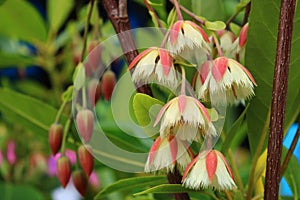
(184, 119)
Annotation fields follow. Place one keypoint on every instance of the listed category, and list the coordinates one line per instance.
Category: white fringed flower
(187, 34)
(186, 117)
(209, 170)
(224, 81)
(166, 153)
(154, 65)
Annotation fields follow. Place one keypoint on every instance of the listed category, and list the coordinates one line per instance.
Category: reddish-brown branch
(117, 13)
(280, 81)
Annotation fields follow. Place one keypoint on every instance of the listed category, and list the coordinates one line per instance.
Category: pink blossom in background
(94, 180)
(10, 153)
(52, 161)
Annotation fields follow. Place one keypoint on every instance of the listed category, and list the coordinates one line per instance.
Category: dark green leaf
(58, 11)
(27, 111)
(166, 188)
(260, 57)
(211, 10)
(21, 20)
(132, 184)
(15, 60)
(233, 131)
(16, 192)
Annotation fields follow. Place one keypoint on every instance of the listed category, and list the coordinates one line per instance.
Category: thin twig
(234, 15)
(191, 14)
(247, 12)
(290, 152)
(117, 13)
(280, 84)
(86, 28)
(155, 15)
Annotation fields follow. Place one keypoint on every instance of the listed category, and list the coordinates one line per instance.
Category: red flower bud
(85, 124)
(243, 35)
(94, 58)
(108, 84)
(94, 91)
(63, 170)
(80, 181)
(86, 160)
(55, 137)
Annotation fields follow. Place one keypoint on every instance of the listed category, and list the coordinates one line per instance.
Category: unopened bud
(63, 170)
(108, 84)
(55, 137)
(85, 124)
(80, 181)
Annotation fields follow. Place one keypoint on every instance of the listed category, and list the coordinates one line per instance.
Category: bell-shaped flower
(209, 169)
(187, 34)
(224, 81)
(168, 152)
(154, 65)
(186, 117)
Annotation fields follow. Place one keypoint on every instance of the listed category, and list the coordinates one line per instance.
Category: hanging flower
(209, 169)
(154, 65)
(186, 117)
(166, 153)
(187, 34)
(224, 81)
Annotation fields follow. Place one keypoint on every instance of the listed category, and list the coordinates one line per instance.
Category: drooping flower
(227, 43)
(187, 34)
(154, 65)
(209, 169)
(224, 81)
(166, 153)
(186, 117)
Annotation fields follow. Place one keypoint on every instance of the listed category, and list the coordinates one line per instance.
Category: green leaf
(67, 95)
(165, 188)
(215, 26)
(2, 1)
(16, 192)
(27, 111)
(211, 10)
(58, 11)
(21, 20)
(146, 109)
(260, 57)
(79, 76)
(134, 183)
(171, 17)
(241, 5)
(233, 131)
(8, 59)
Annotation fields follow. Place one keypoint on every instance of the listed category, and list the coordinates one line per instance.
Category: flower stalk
(280, 84)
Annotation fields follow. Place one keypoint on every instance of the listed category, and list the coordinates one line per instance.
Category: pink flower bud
(94, 92)
(55, 137)
(243, 35)
(108, 84)
(86, 160)
(85, 124)
(10, 153)
(80, 181)
(63, 170)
